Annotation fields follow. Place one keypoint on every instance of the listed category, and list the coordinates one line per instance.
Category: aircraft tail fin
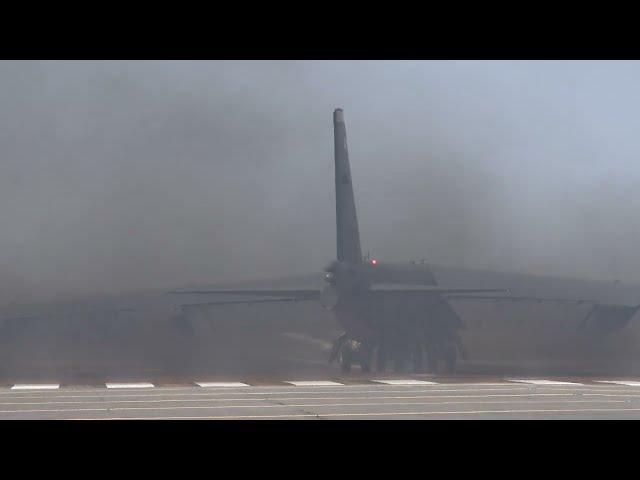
(348, 236)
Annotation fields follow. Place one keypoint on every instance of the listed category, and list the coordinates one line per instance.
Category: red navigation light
(374, 262)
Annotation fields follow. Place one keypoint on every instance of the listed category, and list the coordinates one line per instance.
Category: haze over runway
(131, 178)
(134, 175)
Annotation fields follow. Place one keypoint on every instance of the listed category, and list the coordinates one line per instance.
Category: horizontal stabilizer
(299, 294)
(244, 302)
(433, 289)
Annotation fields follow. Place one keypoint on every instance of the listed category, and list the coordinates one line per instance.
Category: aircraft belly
(395, 317)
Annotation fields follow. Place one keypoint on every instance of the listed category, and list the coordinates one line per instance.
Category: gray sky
(128, 175)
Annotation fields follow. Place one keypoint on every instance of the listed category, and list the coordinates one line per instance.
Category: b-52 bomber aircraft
(395, 311)
(390, 311)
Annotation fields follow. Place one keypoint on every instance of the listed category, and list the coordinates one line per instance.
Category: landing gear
(437, 357)
(365, 360)
(346, 359)
(350, 352)
(337, 347)
(400, 358)
(442, 358)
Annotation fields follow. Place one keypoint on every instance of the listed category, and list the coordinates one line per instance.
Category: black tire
(346, 359)
(365, 361)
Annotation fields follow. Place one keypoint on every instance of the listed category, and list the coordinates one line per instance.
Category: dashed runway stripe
(545, 382)
(355, 383)
(220, 384)
(36, 387)
(404, 382)
(628, 383)
(129, 385)
(316, 383)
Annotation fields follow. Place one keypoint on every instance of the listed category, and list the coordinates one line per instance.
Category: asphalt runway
(407, 397)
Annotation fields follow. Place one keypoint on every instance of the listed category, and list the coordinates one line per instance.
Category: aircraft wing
(391, 288)
(283, 295)
(600, 317)
(244, 302)
(314, 294)
(301, 295)
(456, 296)
(258, 292)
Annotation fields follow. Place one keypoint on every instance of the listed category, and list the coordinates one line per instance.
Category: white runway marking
(545, 382)
(130, 385)
(276, 386)
(629, 383)
(404, 382)
(36, 387)
(316, 383)
(220, 384)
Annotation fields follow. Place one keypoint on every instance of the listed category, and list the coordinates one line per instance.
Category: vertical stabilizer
(348, 236)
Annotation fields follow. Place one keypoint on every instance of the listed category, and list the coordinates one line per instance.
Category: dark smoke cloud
(133, 175)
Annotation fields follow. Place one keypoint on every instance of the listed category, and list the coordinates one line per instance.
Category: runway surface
(410, 397)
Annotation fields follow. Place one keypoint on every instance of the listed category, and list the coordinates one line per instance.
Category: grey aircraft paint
(347, 232)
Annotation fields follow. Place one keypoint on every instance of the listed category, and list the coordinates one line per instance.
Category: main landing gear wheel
(346, 360)
(365, 361)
